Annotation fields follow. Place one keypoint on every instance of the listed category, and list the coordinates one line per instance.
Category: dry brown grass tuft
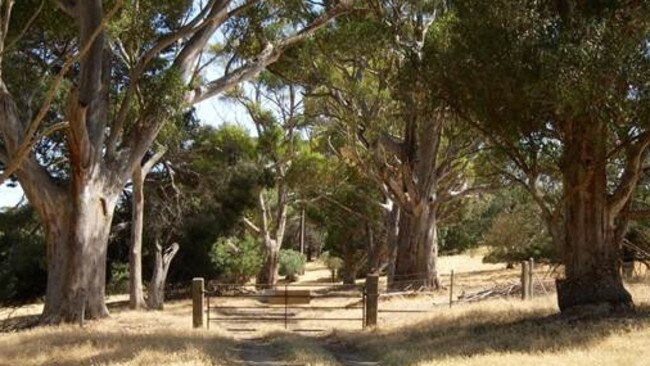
(496, 332)
(127, 338)
(301, 350)
(507, 333)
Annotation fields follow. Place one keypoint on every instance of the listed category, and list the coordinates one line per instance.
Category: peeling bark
(136, 292)
(591, 248)
(392, 227)
(163, 260)
(77, 241)
(269, 274)
(417, 251)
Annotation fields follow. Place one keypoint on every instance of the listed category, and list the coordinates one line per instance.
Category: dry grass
(127, 338)
(301, 350)
(509, 333)
(503, 332)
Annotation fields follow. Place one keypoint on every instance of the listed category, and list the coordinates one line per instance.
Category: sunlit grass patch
(510, 333)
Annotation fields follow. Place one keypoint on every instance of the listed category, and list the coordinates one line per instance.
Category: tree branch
(12, 165)
(68, 6)
(26, 27)
(192, 27)
(466, 191)
(190, 52)
(631, 175)
(264, 230)
(29, 138)
(146, 168)
(267, 56)
(252, 227)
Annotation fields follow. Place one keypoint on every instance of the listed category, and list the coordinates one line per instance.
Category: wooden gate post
(372, 299)
(531, 282)
(197, 302)
(451, 288)
(524, 280)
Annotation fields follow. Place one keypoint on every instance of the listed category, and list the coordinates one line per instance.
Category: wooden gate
(298, 307)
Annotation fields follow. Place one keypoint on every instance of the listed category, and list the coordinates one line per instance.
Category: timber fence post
(372, 299)
(451, 288)
(198, 294)
(531, 283)
(524, 280)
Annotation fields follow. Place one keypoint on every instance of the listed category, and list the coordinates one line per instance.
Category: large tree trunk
(349, 273)
(272, 234)
(392, 228)
(136, 292)
(77, 241)
(591, 252)
(136, 295)
(269, 273)
(374, 250)
(163, 260)
(417, 250)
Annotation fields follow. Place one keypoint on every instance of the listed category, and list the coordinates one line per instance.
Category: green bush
(23, 269)
(518, 234)
(237, 259)
(119, 283)
(333, 263)
(292, 263)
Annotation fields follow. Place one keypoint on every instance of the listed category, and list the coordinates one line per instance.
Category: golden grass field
(493, 332)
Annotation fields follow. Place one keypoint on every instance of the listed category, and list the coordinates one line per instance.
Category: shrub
(292, 263)
(237, 259)
(119, 278)
(518, 234)
(333, 263)
(23, 269)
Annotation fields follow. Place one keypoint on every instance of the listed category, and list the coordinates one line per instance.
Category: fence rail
(292, 303)
(285, 310)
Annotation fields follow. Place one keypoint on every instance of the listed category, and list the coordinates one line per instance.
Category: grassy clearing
(495, 332)
(510, 333)
(127, 338)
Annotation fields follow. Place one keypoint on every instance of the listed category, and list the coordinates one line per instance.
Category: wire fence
(299, 307)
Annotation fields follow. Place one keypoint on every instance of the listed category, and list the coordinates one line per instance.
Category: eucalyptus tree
(170, 141)
(367, 77)
(561, 89)
(136, 65)
(276, 110)
(138, 176)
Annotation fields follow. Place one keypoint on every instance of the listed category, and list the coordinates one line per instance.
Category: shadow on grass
(477, 332)
(14, 323)
(88, 346)
(18, 323)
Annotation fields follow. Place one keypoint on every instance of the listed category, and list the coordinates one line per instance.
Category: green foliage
(119, 278)
(217, 180)
(476, 218)
(292, 264)
(466, 232)
(237, 259)
(23, 271)
(333, 263)
(517, 234)
(523, 70)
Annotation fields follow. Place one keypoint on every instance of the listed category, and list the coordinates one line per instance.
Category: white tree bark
(136, 293)
(163, 260)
